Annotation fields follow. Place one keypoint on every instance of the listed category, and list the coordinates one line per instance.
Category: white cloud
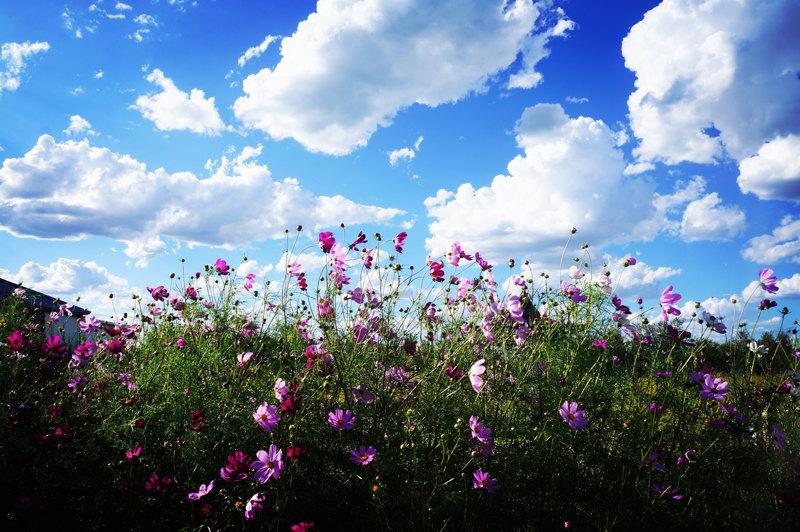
(99, 74)
(774, 172)
(92, 191)
(14, 55)
(638, 168)
(120, 6)
(255, 51)
(570, 174)
(145, 20)
(115, 16)
(401, 154)
(639, 279)
(534, 49)
(78, 125)
(704, 63)
(173, 109)
(576, 99)
(707, 219)
(781, 245)
(351, 66)
(73, 279)
(77, 91)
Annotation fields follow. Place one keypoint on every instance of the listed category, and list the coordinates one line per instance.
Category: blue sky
(679, 146)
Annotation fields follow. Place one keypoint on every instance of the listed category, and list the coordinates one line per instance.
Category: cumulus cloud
(534, 49)
(781, 245)
(773, 172)
(713, 78)
(352, 65)
(707, 219)
(401, 154)
(638, 168)
(94, 191)
(173, 109)
(641, 279)
(255, 51)
(78, 125)
(14, 55)
(546, 192)
(86, 284)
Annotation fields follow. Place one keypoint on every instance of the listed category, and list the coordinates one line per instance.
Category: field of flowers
(453, 396)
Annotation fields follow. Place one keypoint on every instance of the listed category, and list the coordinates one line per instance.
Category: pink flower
(89, 324)
(249, 279)
(159, 293)
(363, 455)
(360, 239)
(16, 340)
(302, 527)
(573, 416)
(437, 270)
(243, 358)
(133, 453)
(281, 390)
(267, 417)
(667, 299)
(222, 267)
(269, 464)
(768, 281)
(254, 505)
(157, 484)
(341, 420)
(326, 241)
(630, 261)
(600, 344)
(481, 262)
(399, 241)
(480, 432)
(456, 254)
(367, 258)
(475, 373)
(180, 342)
(483, 481)
(201, 492)
(572, 292)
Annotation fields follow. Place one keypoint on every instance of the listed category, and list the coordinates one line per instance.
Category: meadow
(454, 395)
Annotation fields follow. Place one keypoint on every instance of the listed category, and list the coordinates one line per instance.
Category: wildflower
(480, 432)
(115, 346)
(54, 348)
(243, 358)
(303, 526)
(361, 238)
(662, 373)
(481, 262)
(363, 456)
(667, 491)
(572, 292)
(399, 241)
(254, 505)
(767, 304)
(77, 383)
(475, 373)
(159, 293)
(453, 373)
(157, 484)
(324, 308)
(768, 281)
(125, 379)
(604, 283)
(685, 459)
(222, 267)
(326, 241)
(269, 464)
(713, 388)
(296, 452)
(249, 279)
(89, 324)
(16, 340)
(281, 389)
(341, 420)
(779, 436)
(367, 258)
(600, 344)
(133, 453)
(456, 254)
(237, 468)
(667, 299)
(652, 461)
(201, 492)
(615, 359)
(180, 342)
(190, 293)
(655, 408)
(756, 349)
(574, 273)
(483, 481)
(573, 416)
(437, 270)
(363, 396)
(630, 261)
(197, 419)
(267, 417)
(714, 323)
(617, 302)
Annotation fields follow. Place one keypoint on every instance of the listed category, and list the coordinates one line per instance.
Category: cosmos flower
(237, 468)
(157, 484)
(159, 293)
(480, 432)
(361, 238)
(363, 455)
(255, 504)
(481, 480)
(269, 464)
(222, 267)
(326, 241)
(713, 388)
(89, 324)
(475, 373)
(267, 416)
(768, 281)
(16, 340)
(362, 395)
(572, 292)
(399, 241)
(280, 388)
(437, 270)
(573, 416)
(201, 492)
(133, 453)
(456, 254)
(243, 358)
(249, 279)
(667, 300)
(341, 420)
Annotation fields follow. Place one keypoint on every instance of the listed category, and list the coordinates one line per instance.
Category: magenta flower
(159, 293)
(133, 453)
(363, 396)
(399, 241)
(768, 281)
(267, 417)
(574, 417)
(367, 258)
(600, 344)
(281, 389)
(483, 481)
(201, 492)
(222, 267)
(437, 270)
(89, 324)
(630, 261)
(302, 527)
(652, 461)
(237, 468)
(255, 504)
(77, 383)
(269, 464)
(157, 484)
(363, 456)
(456, 254)
(713, 388)
(667, 299)
(16, 340)
(249, 279)
(475, 373)
(54, 348)
(180, 342)
(243, 358)
(685, 459)
(481, 262)
(83, 354)
(480, 432)
(341, 420)
(767, 304)
(326, 241)
(361, 238)
(572, 292)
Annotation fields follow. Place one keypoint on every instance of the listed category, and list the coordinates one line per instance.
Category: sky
(137, 134)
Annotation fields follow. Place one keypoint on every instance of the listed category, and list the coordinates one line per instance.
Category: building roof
(36, 299)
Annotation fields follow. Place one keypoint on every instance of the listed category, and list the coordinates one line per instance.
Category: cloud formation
(14, 55)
